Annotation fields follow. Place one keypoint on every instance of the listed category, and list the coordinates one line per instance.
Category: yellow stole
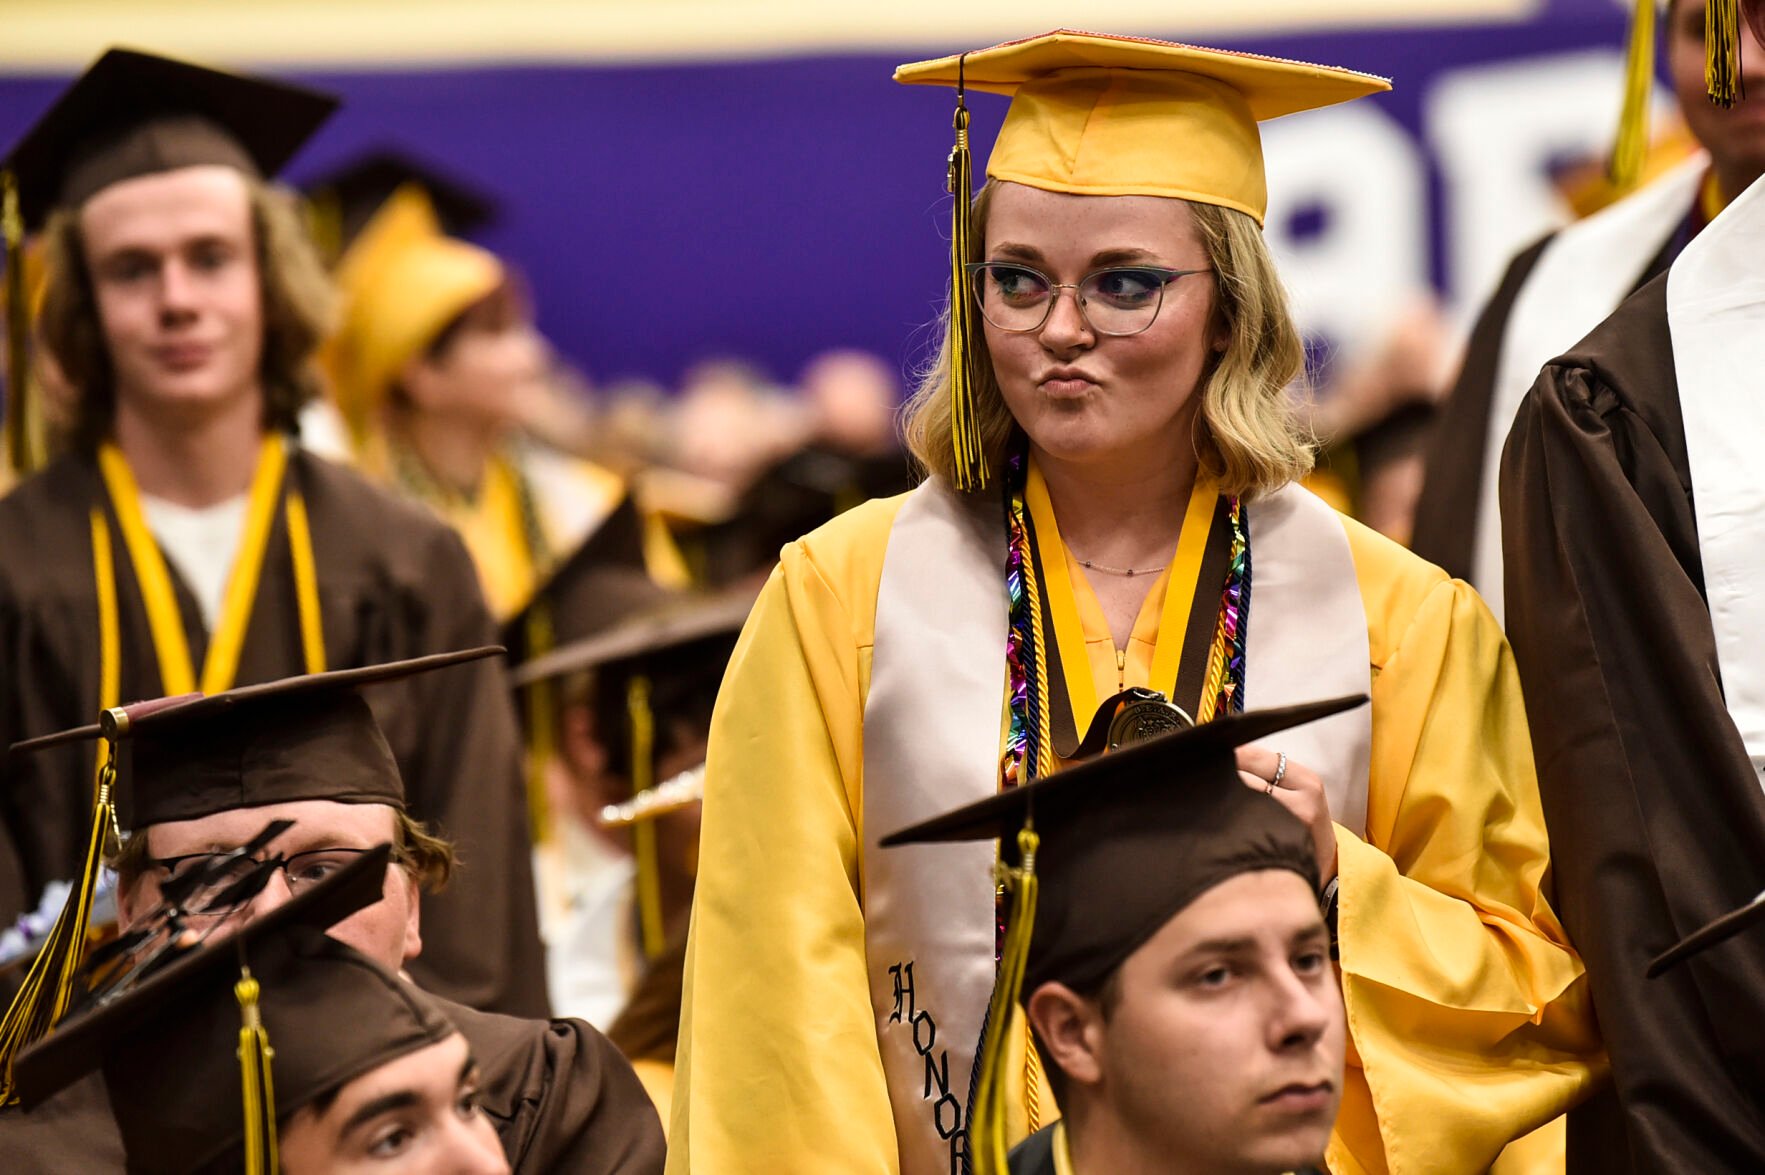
(1182, 582)
(220, 665)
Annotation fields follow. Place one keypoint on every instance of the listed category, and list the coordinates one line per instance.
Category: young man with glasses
(1631, 527)
(364, 1071)
(198, 780)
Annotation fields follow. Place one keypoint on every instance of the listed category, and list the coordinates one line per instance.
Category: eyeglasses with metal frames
(1118, 301)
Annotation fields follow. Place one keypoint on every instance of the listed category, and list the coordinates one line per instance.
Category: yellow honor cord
(257, 1088)
(643, 833)
(306, 584)
(164, 620)
(988, 1137)
(1630, 149)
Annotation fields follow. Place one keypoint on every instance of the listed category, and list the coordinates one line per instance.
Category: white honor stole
(933, 722)
(1716, 316)
(1579, 279)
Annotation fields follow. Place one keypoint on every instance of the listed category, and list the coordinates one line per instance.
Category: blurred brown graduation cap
(672, 620)
(1129, 838)
(1711, 935)
(603, 581)
(299, 738)
(347, 196)
(170, 1049)
(133, 114)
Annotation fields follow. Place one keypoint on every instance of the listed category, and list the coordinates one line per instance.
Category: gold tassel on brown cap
(988, 1141)
(257, 1089)
(1630, 150)
(1722, 46)
(48, 989)
(965, 429)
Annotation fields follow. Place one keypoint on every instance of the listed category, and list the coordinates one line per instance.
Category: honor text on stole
(947, 1109)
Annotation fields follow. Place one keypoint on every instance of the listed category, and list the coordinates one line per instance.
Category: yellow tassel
(965, 429)
(1630, 149)
(257, 1088)
(1722, 46)
(988, 1140)
(542, 724)
(24, 441)
(643, 833)
(48, 987)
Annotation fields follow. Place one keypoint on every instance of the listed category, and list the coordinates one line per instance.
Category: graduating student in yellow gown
(433, 367)
(1123, 508)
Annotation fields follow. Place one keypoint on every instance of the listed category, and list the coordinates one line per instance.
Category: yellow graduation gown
(1467, 1009)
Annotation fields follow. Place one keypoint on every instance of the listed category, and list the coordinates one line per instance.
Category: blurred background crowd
(723, 229)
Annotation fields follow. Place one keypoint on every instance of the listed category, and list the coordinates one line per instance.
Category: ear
(576, 737)
(1070, 1028)
(417, 378)
(413, 929)
(131, 902)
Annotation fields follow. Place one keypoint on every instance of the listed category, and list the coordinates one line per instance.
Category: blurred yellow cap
(1101, 115)
(403, 282)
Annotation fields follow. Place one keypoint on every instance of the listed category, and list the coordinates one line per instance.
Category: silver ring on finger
(1280, 770)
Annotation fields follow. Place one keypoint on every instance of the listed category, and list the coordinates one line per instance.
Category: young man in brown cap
(280, 1049)
(1166, 931)
(203, 778)
(183, 541)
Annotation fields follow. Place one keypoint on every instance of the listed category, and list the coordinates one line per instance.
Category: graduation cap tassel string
(643, 833)
(1630, 149)
(965, 429)
(48, 988)
(988, 1136)
(258, 1090)
(1722, 45)
(23, 450)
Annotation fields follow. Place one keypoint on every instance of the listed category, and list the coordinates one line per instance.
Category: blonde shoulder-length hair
(1247, 436)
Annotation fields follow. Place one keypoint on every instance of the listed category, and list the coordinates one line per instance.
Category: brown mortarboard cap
(604, 580)
(1131, 838)
(1711, 935)
(312, 737)
(355, 190)
(133, 114)
(168, 1048)
(678, 619)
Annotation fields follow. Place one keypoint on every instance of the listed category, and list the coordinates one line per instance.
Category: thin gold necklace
(1124, 571)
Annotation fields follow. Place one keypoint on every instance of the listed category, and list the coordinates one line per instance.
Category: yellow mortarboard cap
(403, 282)
(1101, 115)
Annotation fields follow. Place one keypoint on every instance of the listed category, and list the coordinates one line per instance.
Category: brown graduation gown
(1657, 820)
(393, 583)
(1452, 487)
(561, 1097)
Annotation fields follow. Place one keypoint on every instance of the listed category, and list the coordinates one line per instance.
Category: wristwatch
(1327, 904)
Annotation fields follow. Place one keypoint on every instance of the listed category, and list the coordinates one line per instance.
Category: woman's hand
(1301, 792)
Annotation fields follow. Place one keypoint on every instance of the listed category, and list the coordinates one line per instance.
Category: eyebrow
(1314, 932)
(1125, 255)
(402, 1099)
